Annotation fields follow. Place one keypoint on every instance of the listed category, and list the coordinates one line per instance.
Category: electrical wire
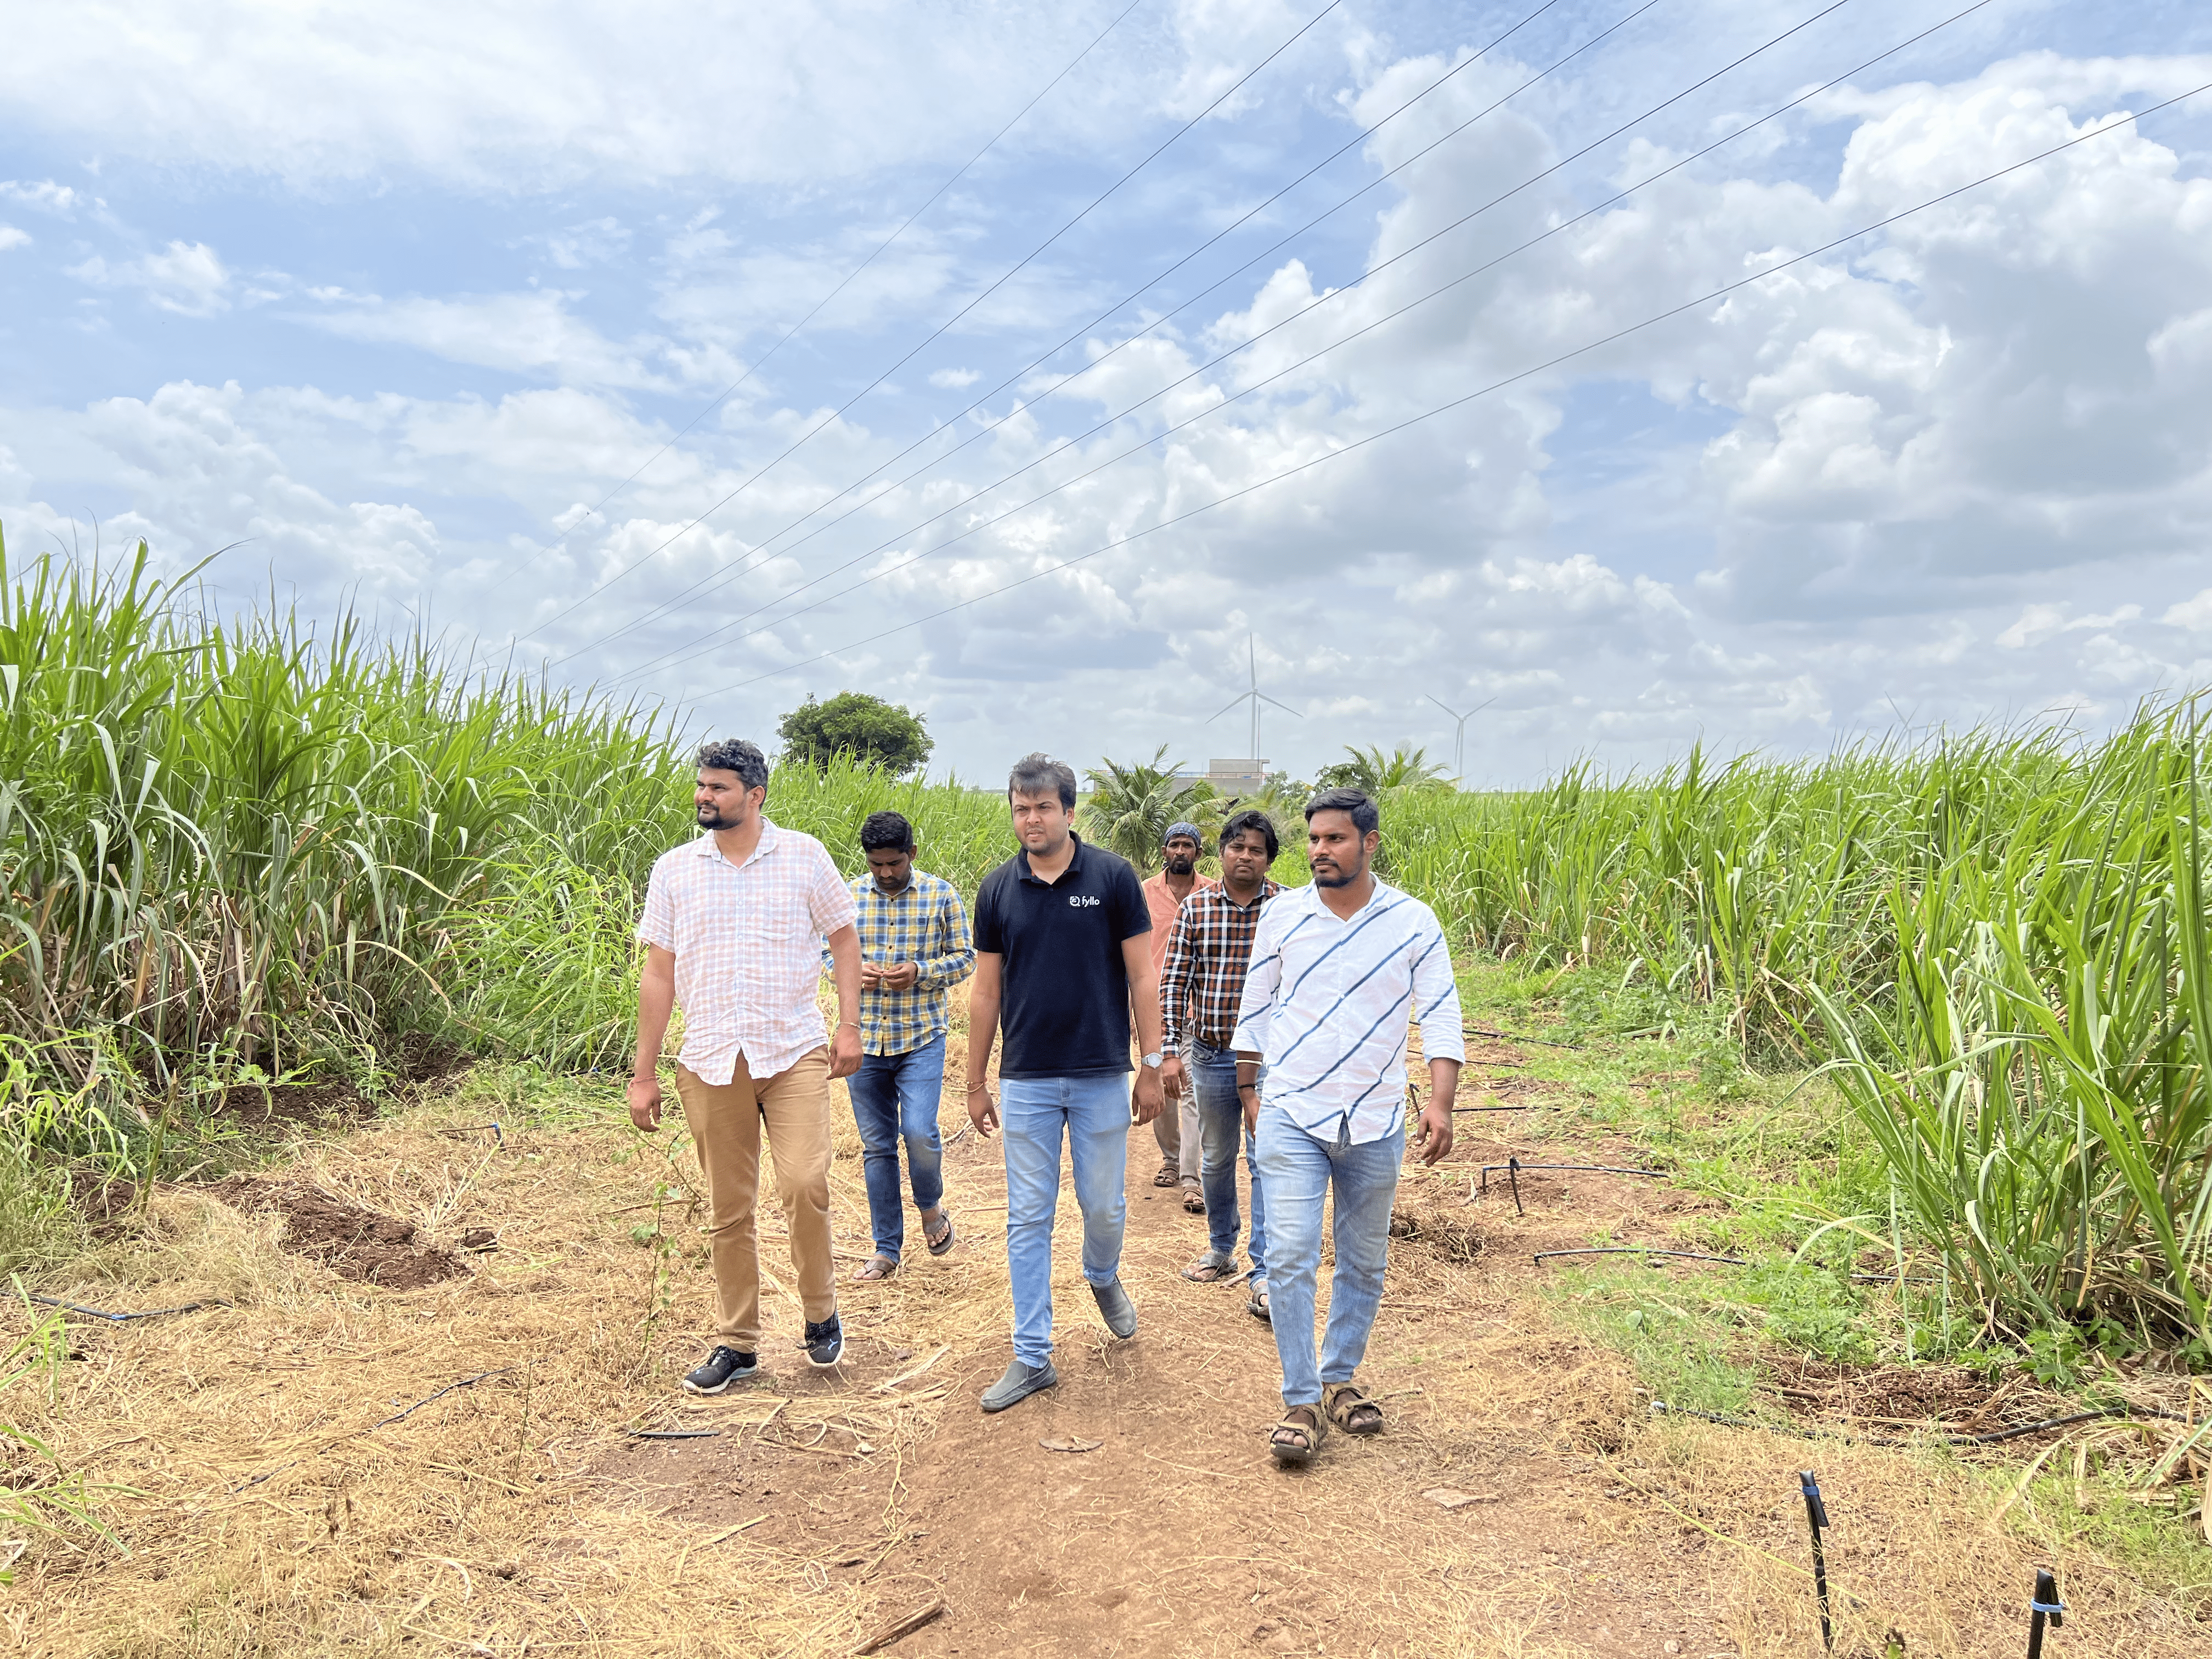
(1052, 351)
(755, 366)
(691, 650)
(701, 641)
(1007, 276)
(1358, 444)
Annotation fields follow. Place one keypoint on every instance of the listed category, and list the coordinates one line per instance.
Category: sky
(1636, 374)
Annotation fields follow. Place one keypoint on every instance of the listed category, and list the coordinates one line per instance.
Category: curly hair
(735, 755)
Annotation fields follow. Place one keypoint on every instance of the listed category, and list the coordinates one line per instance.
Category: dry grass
(277, 1512)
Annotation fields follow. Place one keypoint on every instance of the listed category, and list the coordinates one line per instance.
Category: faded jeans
(1212, 1073)
(1299, 1170)
(1094, 1111)
(895, 1096)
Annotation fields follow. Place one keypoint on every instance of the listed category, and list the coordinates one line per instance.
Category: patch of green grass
(1682, 1356)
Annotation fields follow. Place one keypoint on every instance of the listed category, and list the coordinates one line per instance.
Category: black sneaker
(825, 1344)
(720, 1369)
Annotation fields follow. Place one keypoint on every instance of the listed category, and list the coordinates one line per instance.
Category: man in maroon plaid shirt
(1201, 981)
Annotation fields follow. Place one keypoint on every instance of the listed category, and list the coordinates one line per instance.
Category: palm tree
(1132, 805)
(1403, 772)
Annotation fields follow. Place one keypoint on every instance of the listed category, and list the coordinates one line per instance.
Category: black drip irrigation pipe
(1816, 1516)
(1725, 1261)
(498, 1134)
(1531, 1107)
(117, 1318)
(2044, 1605)
(671, 1434)
(1514, 1166)
(1661, 1408)
(1514, 1036)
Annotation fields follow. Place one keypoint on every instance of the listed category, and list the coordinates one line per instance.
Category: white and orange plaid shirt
(748, 945)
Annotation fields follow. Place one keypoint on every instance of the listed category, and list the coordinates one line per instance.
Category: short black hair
(1252, 821)
(1035, 774)
(1366, 818)
(735, 755)
(884, 830)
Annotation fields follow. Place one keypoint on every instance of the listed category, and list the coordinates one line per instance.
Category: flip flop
(879, 1267)
(1193, 1200)
(1211, 1268)
(940, 1245)
(1257, 1304)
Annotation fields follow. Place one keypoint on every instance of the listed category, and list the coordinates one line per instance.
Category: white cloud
(186, 277)
(10, 236)
(955, 379)
(769, 91)
(43, 194)
(531, 332)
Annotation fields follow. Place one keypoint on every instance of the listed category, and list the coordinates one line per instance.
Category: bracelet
(979, 1088)
(1241, 1087)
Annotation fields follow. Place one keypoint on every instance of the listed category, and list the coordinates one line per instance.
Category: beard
(711, 817)
(1336, 876)
(1181, 866)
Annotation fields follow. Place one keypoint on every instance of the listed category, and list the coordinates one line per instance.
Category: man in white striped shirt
(1339, 969)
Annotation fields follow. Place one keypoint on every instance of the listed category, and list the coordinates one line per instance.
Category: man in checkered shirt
(1201, 981)
(914, 947)
(734, 923)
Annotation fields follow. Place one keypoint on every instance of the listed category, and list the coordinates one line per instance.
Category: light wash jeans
(1299, 1170)
(895, 1096)
(1221, 1125)
(1032, 1111)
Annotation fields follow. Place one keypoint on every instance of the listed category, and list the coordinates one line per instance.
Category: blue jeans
(1032, 1111)
(1212, 1073)
(894, 1095)
(1299, 1170)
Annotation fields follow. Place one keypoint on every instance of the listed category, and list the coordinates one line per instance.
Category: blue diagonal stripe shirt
(1327, 1001)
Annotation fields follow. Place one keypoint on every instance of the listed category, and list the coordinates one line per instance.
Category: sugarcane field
(643, 1012)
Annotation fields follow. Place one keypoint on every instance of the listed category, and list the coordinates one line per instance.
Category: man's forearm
(982, 1033)
(845, 966)
(656, 999)
(1444, 1081)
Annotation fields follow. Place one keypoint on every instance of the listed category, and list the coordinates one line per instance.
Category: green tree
(1131, 806)
(866, 729)
(1402, 772)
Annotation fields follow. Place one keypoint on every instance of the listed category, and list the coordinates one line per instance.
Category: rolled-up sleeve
(1263, 976)
(953, 947)
(830, 903)
(1436, 995)
(656, 923)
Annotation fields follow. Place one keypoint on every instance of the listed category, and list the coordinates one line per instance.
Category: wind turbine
(1459, 735)
(1255, 696)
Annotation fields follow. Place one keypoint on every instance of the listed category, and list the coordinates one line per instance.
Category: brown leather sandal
(1298, 1437)
(1350, 1410)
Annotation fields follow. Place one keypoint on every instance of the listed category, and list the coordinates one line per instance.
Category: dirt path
(1178, 1535)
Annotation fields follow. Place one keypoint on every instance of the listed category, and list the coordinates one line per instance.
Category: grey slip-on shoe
(1020, 1383)
(1121, 1312)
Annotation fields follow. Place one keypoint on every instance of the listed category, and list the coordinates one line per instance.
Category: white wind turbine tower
(1459, 735)
(1255, 696)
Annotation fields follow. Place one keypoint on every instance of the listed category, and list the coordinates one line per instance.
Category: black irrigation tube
(499, 1133)
(117, 1318)
(1661, 1408)
(450, 1388)
(1514, 1036)
(671, 1434)
(1457, 1111)
(1725, 1261)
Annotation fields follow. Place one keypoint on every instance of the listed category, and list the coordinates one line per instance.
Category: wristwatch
(1153, 1060)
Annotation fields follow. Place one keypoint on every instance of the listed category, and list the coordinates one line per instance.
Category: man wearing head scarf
(1176, 1128)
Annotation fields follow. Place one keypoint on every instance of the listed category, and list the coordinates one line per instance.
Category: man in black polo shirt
(1061, 961)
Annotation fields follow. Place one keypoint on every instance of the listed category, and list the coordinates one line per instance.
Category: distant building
(1232, 778)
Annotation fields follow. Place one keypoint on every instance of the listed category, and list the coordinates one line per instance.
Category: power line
(755, 366)
(1496, 385)
(679, 652)
(1053, 350)
(1000, 282)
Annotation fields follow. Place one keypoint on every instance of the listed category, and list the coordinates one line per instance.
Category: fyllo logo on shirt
(1080, 900)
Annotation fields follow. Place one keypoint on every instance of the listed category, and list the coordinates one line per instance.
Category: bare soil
(364, 1245)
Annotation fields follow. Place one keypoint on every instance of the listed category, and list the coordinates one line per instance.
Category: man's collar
(705, 847)
(1268, 889)
(1074, 861)
(912, 881)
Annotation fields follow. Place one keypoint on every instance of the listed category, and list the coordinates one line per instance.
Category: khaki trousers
(725, 1122)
